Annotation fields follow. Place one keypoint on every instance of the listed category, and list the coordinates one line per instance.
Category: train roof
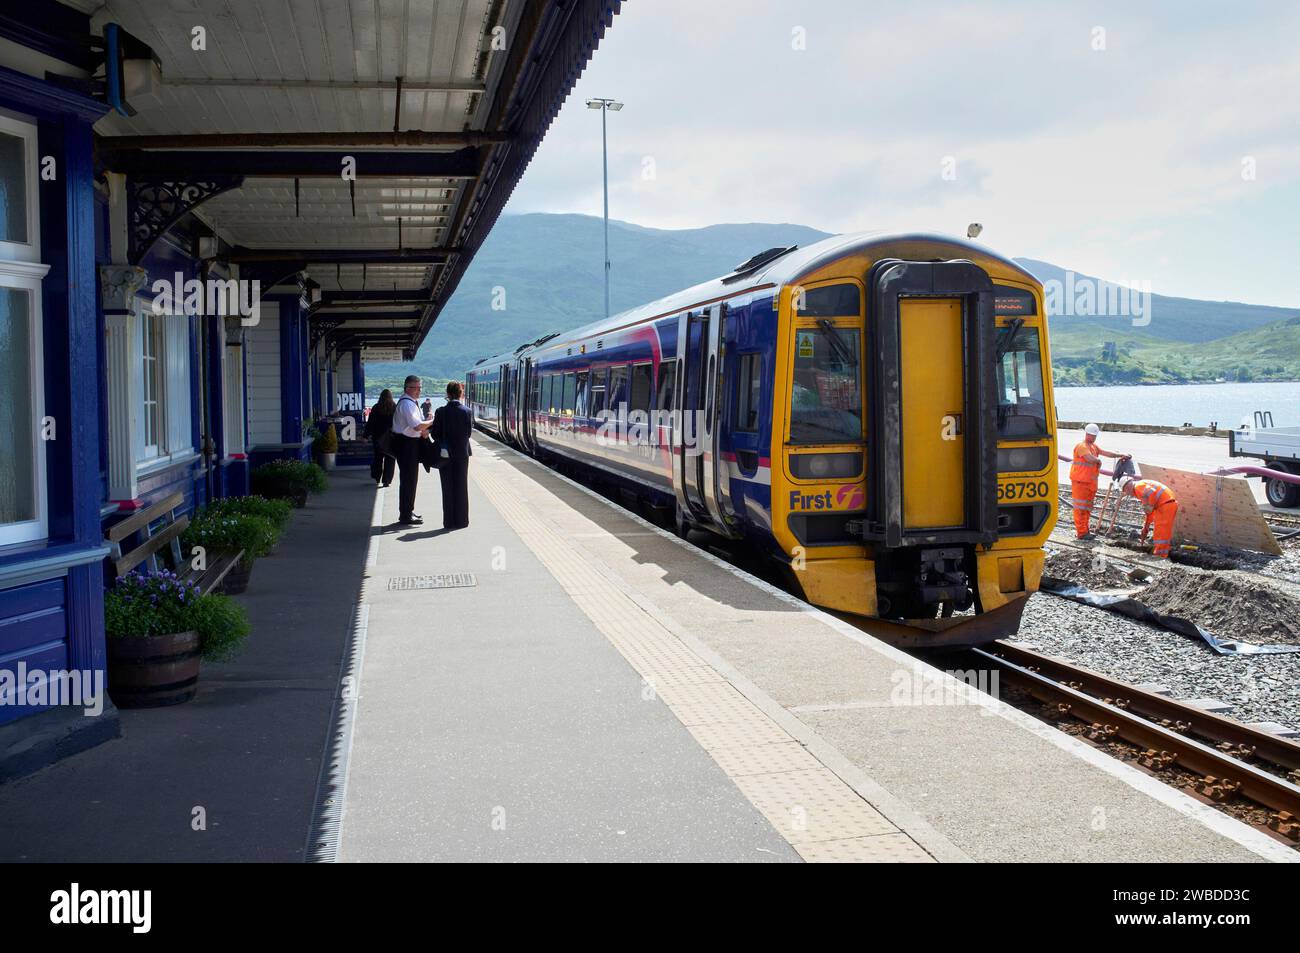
(772, 267)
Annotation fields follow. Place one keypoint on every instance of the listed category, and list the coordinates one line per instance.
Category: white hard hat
(1092, 430)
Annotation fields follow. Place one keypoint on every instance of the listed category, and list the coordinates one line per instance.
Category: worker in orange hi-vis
(1162, 509)
(1085, 471)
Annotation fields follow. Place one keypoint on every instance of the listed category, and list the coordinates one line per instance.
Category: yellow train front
(956, 491)
(873, 413)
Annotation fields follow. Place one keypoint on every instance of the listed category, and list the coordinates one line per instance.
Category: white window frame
(30, 250)
(153, 375)
(21, 269)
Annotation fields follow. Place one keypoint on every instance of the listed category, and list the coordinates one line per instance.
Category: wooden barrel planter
(153, 671)
(236, 581)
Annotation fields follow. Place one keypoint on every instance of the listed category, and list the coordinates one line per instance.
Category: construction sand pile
(1091, 569)
(1228, 606)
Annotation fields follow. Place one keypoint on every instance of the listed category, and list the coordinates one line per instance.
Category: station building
(347, 158)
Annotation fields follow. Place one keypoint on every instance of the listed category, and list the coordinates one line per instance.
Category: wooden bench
(164, 537)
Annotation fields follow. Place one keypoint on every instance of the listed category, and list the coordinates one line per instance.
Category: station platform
(565, 681)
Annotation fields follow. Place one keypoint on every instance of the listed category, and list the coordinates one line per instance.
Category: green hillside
(549, 269)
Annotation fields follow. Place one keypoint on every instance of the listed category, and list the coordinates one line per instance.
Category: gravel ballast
(1259, 687)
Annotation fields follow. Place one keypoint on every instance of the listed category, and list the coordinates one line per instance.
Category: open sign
(349, 401)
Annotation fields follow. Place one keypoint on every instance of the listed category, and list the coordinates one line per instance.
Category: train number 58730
(1024, 490)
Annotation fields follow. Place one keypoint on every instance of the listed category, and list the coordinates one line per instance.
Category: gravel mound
(1259, 687)
(1228, 606)
(1093, 570)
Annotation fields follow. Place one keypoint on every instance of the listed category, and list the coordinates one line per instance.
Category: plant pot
(327, 460)
(153, 671)
(236, 580)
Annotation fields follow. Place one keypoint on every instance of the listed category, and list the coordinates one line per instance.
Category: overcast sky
(1125, 162)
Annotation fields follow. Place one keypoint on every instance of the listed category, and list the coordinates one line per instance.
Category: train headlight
(825, 466)
(1022, 459)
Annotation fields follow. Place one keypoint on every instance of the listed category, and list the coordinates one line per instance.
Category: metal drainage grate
(445, 580)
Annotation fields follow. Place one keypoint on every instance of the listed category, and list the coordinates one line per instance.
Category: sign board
(354, 400)
(370, 354)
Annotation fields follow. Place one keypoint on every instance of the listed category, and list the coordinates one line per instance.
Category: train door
(528, 404)
(932, 408)
(695, 470)
(503, 399)
(692, 352)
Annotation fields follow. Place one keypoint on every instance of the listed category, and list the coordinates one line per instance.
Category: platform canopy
(439, 103)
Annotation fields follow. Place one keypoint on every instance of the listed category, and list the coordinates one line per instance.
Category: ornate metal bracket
(155, 204)
(320, 327)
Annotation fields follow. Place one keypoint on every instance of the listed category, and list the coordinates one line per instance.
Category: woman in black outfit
(380, 422)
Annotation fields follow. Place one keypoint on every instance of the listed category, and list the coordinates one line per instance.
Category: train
(873, 414)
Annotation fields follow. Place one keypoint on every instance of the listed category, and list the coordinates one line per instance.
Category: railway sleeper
(1241, 752)
(1157, 760)
(1099, 732)
(1218, 789)
(1285, 823)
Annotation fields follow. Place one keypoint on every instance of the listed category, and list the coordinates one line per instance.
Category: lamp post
(604, 105)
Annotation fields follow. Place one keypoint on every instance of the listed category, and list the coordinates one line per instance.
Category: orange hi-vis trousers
(1082, 494)
(1162, 535)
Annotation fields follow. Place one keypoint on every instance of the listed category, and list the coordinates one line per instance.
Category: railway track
(1231, 759)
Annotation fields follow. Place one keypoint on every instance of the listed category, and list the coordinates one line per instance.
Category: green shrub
(159, 603)
(278, 512)
(328, 442)
(286, 479)
(217, 532)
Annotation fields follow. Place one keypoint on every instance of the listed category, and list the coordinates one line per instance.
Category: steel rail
(1222, 775)
(1213, 728)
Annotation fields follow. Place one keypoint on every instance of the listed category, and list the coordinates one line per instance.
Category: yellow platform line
(818, 813)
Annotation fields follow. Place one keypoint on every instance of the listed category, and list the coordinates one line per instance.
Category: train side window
(830, 301)
(597, 402)
(750, 390)
(667, 383)
(580, 404)
(642, 386)
(618, 390)
(570, 389)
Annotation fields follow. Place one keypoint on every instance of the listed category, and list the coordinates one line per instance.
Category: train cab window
(1022, 408)
(750, 383)
(830, 301)
(570, 390)
(826, 394)
(642, 386)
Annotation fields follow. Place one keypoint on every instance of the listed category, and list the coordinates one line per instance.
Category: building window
(22, 386)
(19, 238)
(154, 376)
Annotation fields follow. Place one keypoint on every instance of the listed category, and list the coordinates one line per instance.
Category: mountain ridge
(542, 272)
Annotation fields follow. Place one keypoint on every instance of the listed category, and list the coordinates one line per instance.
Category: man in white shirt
(409, 428)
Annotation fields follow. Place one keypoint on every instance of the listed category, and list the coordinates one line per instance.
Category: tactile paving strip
(821, 816)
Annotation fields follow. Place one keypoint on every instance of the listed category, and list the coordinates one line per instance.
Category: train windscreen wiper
(1012, 328)
(842, 350)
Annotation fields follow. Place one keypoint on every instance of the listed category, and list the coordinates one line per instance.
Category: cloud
(1063, 151)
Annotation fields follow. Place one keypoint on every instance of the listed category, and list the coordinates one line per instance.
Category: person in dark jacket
(452, 423)
(380, 422)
